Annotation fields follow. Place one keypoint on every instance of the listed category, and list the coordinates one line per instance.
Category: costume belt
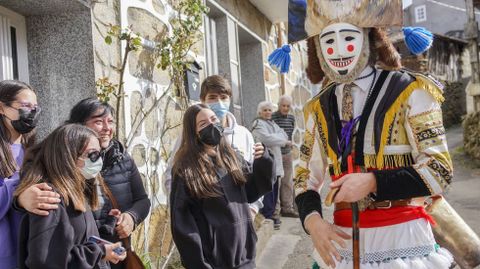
(379, 205)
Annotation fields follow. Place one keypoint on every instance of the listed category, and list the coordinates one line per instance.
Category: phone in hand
(99, 241)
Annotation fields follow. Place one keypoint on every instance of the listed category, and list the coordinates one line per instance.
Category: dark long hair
(9, 89)
(193, 164)
(54, 161)
(86, 109)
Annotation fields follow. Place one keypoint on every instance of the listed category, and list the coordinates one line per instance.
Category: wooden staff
(356, 236)
(355, 222)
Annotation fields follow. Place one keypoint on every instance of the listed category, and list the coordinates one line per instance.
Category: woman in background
(265, 130)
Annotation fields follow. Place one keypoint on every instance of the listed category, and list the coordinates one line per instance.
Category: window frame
(14, 20)
(418, 9)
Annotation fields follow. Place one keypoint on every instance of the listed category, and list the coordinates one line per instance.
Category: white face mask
(91, 169)
(341, 46)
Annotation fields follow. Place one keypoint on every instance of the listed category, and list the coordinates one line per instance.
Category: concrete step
(280, 246)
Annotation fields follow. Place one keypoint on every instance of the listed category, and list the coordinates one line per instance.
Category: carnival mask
(343, 51)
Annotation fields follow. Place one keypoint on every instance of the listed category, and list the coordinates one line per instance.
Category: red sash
(371, 218)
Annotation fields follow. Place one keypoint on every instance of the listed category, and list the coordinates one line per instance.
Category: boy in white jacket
(216, 93)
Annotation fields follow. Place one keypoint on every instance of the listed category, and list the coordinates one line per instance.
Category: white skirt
(401, 246)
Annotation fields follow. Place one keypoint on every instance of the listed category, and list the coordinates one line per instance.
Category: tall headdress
(307, 18)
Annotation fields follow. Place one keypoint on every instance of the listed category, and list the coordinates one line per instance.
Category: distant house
(448, 61)
(445, 17)
(444, 59)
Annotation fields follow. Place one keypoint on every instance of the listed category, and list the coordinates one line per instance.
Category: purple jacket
(9, 219)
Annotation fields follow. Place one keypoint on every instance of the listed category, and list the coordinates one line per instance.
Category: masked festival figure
(375, 131)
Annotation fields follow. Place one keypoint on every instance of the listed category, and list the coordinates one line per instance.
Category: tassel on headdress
(280, 59)
(418, 39)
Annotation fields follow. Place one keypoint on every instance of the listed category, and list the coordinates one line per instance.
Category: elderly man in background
(286, 121)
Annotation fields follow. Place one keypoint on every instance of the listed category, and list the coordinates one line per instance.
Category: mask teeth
(340, 63)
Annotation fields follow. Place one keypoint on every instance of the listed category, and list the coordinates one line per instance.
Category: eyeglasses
(29, 106)
(94, 156)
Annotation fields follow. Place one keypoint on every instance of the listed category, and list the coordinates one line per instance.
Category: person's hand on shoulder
(39, 199)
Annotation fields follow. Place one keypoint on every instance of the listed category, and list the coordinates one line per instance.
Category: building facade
(434, 15)
(58, 46)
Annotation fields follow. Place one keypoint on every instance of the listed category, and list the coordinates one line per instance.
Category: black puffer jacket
(123, 179)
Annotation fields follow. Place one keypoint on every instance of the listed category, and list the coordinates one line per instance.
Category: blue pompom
(280, 59)
(418, 39)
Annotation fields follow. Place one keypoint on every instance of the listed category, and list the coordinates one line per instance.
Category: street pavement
(291, 248)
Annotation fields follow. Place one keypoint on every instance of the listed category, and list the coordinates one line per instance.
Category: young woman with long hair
(119, 172)
(18, 118)
(69, 160)
(211, 188)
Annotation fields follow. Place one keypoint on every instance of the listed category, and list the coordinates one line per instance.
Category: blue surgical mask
(220, 108)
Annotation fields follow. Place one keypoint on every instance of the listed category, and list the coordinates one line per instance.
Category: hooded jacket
(60, 240)
(239, 138)
(217, 232)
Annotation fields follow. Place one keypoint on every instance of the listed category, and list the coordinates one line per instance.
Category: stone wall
(147, 140)
(144, 83)
(297, 85)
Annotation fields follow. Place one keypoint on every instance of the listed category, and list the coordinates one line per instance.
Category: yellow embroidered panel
(398, 135)
(428, 129)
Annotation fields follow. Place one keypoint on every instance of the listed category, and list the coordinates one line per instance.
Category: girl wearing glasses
(211, 189)
(69, 160)
(119, 172)
(18, 118)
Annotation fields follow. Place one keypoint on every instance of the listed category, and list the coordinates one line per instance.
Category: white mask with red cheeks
(343, 51)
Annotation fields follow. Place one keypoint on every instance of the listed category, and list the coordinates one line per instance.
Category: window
(211, 45)
(420, 13)
(13, 46)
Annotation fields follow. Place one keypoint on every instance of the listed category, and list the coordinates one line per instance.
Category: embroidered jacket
(400, 138)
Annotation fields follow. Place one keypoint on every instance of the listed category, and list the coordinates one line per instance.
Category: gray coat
(273, 137)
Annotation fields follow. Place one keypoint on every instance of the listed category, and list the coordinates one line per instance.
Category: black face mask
(212, 134)
(27, 121)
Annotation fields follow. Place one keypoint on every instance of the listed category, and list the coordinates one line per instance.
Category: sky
(406, 3)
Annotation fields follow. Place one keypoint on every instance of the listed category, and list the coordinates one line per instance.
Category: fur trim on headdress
(388, 56)
(362, 13)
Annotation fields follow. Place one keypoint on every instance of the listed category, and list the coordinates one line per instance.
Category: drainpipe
(281, 77)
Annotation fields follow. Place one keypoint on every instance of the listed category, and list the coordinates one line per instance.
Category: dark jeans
(270, 201)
